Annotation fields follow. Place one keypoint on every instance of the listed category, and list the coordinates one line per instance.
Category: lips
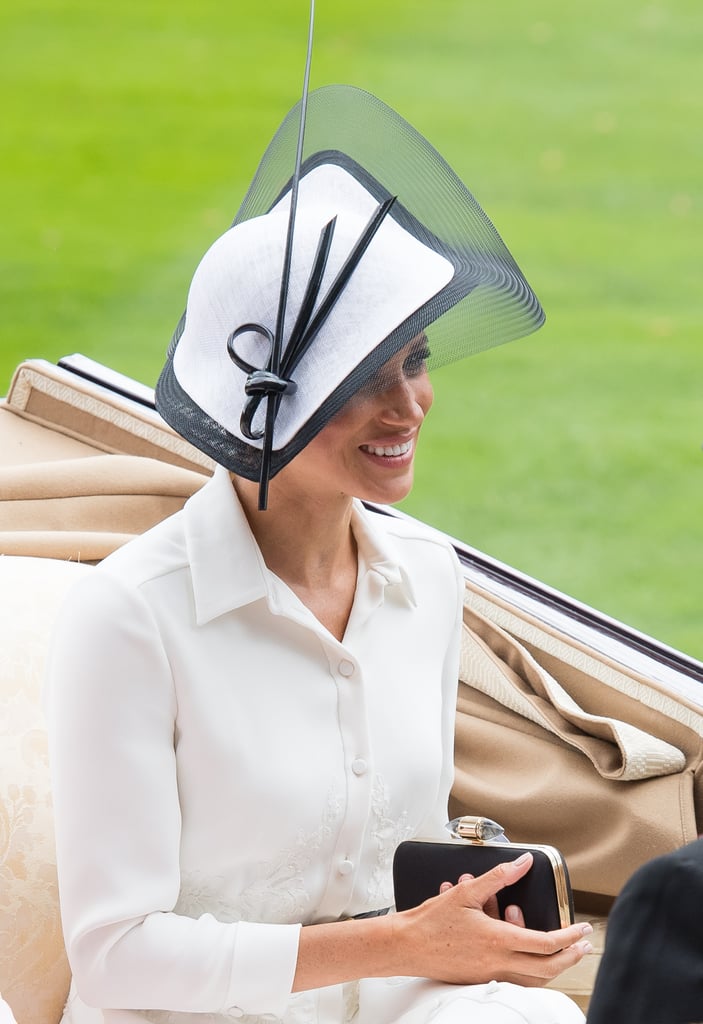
(388, 451)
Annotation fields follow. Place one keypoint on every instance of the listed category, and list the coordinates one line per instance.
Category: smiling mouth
(388, 451)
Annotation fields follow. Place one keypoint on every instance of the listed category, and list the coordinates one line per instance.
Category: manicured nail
(512, 914)
(585, 947)
(586, 929)
(522, 859)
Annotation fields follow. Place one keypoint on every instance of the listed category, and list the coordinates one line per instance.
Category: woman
(253, 704)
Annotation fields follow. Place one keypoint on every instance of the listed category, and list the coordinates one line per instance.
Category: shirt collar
(379, 552)
(227, 567)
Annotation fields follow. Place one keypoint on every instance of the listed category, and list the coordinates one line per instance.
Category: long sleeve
(112, 714)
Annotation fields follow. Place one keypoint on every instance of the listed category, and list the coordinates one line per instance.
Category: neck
(306, 541)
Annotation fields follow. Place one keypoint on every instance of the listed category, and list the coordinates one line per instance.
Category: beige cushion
(534, 750)
(83, 508)
(34, 974)
(83, 469)
(82, 415)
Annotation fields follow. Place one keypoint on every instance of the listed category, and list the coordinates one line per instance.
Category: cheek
(424, 394)
(328, 446)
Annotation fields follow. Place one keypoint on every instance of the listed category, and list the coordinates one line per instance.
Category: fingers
(547, 944)
(514, 915)
(436, 935)
(527, 969)
(534, 970)
(481, 894)
(507, 873)
(446, 886)
(490, 907)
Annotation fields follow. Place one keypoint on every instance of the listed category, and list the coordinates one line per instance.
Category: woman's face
(367, 451)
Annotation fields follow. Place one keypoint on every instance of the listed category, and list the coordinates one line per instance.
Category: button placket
(353, 730)
(346, 668)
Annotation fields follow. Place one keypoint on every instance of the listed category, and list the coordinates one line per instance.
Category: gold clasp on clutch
(476, 829)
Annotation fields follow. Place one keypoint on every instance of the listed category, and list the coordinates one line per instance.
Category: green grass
(129, 134)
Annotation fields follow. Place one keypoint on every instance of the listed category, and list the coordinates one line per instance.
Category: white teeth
(395, 449)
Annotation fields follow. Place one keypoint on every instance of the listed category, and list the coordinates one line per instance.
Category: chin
(390, 494)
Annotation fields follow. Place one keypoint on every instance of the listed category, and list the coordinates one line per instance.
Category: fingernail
(522, 859)
(586, 929)
(585, 947)
(512, 914)
(466, 878)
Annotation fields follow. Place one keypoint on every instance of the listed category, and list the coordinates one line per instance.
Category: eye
(416, 362)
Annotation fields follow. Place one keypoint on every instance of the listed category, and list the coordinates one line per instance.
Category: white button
(359, 766)
(346, 867)
(236, 1011)
(346, 668)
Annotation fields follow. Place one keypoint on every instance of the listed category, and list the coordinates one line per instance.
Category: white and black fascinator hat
(327, 274)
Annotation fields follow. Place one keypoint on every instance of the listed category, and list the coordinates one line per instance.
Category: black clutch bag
(543, 894)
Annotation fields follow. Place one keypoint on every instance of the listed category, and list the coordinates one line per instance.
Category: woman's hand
(458, 936)
(513, 913)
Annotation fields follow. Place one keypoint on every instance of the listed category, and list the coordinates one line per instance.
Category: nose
(406, 401)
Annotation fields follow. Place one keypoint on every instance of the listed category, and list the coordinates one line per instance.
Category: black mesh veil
(501, 306)
(483, 302)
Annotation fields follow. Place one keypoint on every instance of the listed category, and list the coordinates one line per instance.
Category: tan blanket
(82, 509)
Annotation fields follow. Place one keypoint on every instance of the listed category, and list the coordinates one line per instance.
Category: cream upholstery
(34, 974)
(83, 469)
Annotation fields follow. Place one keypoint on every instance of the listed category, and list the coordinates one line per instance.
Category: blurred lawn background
(129, 133)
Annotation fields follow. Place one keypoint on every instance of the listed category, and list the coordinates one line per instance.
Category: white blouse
(225, 770)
